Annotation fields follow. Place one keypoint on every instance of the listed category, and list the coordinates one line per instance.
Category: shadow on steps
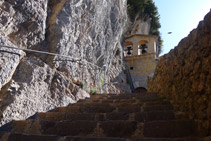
(144, 117)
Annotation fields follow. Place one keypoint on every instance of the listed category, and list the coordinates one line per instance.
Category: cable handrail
(129, 78)
(53, 54)
(59, 55)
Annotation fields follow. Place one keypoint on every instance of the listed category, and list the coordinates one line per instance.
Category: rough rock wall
(23, 22)
(184, 75)
(89, 31)
(9, 61)
(141, 25)
(96, 39)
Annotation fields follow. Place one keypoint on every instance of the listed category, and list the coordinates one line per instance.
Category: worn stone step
(125, 129)
(151, 99)
(101, 100)
(119, 104)
(106, 108)
(93, 139)
(116, 104)
(86, 109)
(169, 139)
(99, 96)
(139, 116)
(154, 97)
(169, 129)
(24, 137)
(163, 107)
(144, 97)
(129, 109)
(27, 137)
(98, 109)
(123, 101)
(136, 95)
(127, 98)
(120, 129)
(64, 128)
(59, 116)
(163, 102)
(156, 115)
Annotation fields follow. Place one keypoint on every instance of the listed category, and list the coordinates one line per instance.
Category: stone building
(141, 54)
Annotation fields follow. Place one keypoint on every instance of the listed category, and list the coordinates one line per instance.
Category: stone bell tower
(141, 53)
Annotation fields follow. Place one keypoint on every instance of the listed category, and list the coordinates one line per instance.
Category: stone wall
(89, 31)
(141, 67)
(184, 75)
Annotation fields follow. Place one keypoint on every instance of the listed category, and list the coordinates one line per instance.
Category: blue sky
(179, 17)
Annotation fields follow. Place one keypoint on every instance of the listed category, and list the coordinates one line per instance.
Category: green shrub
(83, 85)
(93, 90)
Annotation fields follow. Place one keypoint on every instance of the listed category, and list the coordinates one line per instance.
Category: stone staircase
(124, 117)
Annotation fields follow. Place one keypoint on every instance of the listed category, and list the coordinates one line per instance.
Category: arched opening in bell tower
(143, 47)
(128, 51)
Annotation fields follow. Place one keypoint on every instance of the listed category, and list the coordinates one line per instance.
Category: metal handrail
(59, 55)
(129, 77)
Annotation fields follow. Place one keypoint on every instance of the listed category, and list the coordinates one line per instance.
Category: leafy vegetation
(93, 91)
(146, 9)
(83, 85)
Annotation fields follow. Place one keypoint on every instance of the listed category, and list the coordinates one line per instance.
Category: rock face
(89, 32)
(141, 25)
(184, 75)
(23, 21)
(10, 59)
(96, 39)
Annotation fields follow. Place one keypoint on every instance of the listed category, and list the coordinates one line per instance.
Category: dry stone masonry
(183, 75)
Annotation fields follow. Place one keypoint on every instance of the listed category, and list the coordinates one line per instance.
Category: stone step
(139, 116)
(127, 96)
(164, 107)
(120, 129)
(143, 99)
(61, 116)
(100, 101)
(114, 128)
(123, 103)
(169, 129)
(107, 108)
(169, 139)
(124, 96)
(86, 109)
(99, 96)
(156, 115)
(98, 109)
(93, 139)
(26, 137)
(116, 104)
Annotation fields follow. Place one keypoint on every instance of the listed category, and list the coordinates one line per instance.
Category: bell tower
(141, 53)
